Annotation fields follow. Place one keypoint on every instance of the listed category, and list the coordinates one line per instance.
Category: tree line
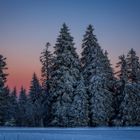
(75, 92)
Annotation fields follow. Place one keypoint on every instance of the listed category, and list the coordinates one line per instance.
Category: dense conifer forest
(74, 91)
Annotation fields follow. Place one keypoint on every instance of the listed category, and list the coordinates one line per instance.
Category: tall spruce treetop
(133, 68)
(92, 55)
(64, 49)
(94, 60)
(65, 77)
(89, 42)
(98, 76)
(66, 63)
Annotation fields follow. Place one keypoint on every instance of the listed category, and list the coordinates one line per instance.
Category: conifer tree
(13, 108)
(122, 76)
(35, 88)
(36, 108)
(65, 76)
(22, 108)
(109, 72)
(78, 112)
(122, 72)
(96, 66)
(101, 102)
(91, 55)
(130, 105)
(6, 104)
(133, 66)
(4, 93)
(46, 60)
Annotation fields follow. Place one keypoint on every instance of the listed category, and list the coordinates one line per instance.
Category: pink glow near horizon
(27, 25)
(20, 70)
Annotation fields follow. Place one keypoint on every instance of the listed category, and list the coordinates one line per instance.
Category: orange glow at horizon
(21, 66)
(21, 70)
(26, 26)
(21, 78)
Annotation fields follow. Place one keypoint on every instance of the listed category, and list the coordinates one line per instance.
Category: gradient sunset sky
(26, 26)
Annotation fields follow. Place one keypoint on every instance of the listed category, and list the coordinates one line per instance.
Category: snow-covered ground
(70, 134)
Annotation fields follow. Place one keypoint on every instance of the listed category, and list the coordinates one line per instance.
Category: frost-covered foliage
(120, 85)
(133, 66)
(128, 98)
(65, 77)
(109, 72)
(99, 78)
(101, 102)
(130, 106)
(75, 92)
(91, 55)
(4, 92)
(79, 109)
(46, 61)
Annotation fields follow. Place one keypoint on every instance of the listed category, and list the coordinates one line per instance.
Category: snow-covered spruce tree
(46, 61)
(36, 107)
(65, 80)
(22, 108)
(130, 106)
(122, 76)
(4, 95)
(96, 66)
(101, 102)
(78, 112)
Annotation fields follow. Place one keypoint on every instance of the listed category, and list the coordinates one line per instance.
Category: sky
(26, 26)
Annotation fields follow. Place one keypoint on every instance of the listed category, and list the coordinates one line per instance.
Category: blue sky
(26, 25)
